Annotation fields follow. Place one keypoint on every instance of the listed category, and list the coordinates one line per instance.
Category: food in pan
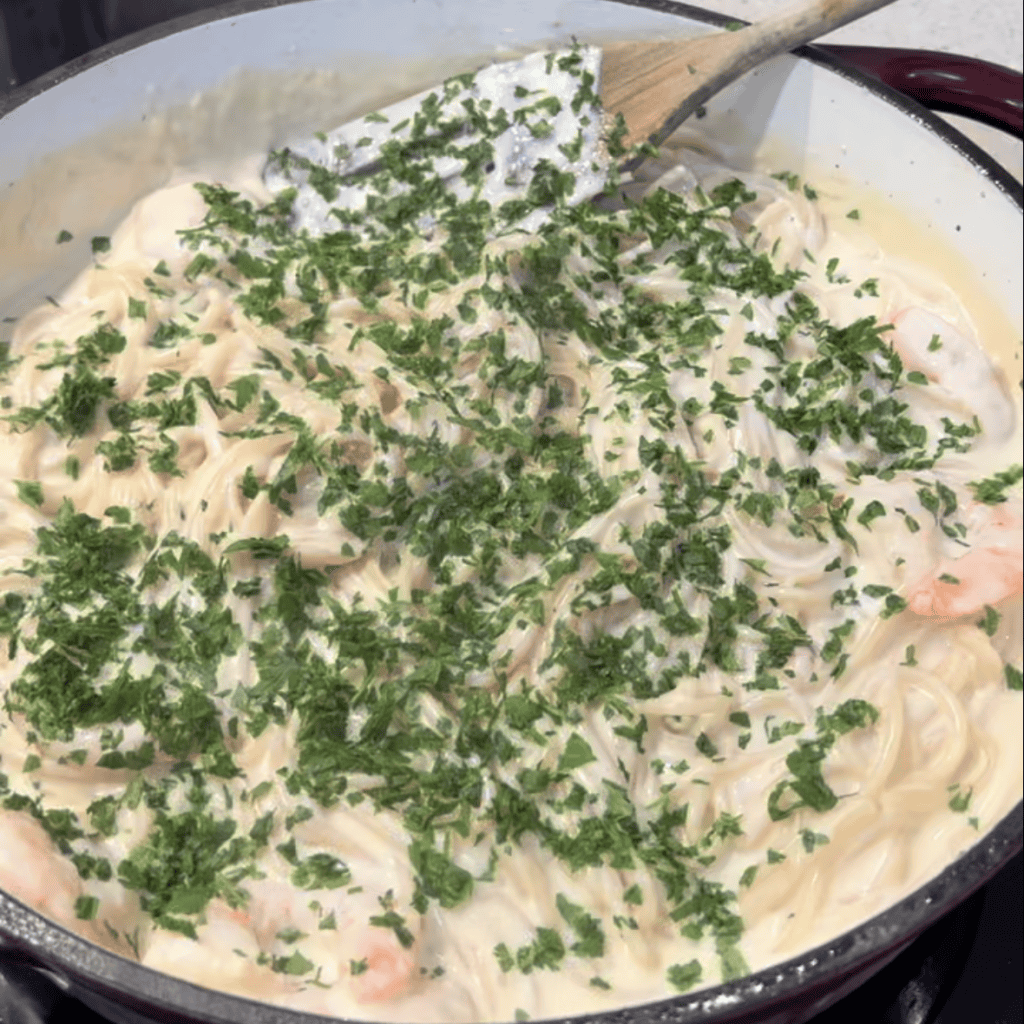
(434, 619)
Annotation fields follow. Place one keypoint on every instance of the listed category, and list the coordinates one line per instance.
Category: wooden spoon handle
(656, 86)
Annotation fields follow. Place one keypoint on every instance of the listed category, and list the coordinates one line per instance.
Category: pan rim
(95, 969)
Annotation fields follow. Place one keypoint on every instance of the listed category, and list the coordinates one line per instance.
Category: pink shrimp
(990, 572)
(379, 966)
(933, 346)
(386, 969)
(32, 870)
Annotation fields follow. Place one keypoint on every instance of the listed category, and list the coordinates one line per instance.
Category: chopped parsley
(806, 786)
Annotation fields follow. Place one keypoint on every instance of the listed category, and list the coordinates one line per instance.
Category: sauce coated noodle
(451, 623)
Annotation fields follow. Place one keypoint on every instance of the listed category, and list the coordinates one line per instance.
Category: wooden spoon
(656, 86)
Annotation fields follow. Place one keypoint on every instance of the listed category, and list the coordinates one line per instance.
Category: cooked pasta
(437, 620)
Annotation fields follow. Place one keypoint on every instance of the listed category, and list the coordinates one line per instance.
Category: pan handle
(946, 82)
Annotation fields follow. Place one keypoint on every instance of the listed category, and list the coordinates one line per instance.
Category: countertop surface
(993, 30)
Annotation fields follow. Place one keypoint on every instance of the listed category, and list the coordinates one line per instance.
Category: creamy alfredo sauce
(480, 623)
